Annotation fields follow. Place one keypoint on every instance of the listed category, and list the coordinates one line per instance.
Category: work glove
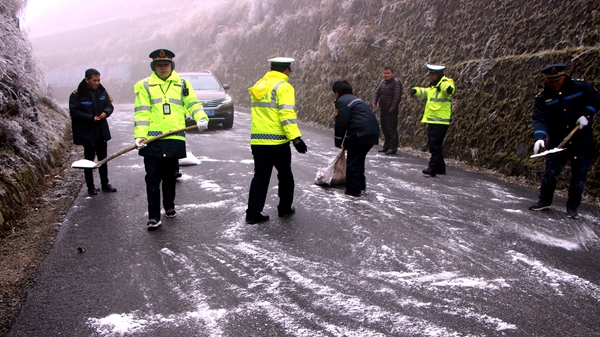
(413, 91)
(582, 121)
(449, 90)
(139, 144)
(202, 125)
(539, 144)
(299, 145)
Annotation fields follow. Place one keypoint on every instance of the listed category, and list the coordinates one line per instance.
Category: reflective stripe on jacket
(274, 119)
(438, 108)
(151, 95)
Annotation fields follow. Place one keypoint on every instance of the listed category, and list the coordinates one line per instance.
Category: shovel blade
(83, 164)
(548, 153)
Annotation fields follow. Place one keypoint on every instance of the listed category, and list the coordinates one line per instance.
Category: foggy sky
(44, 17)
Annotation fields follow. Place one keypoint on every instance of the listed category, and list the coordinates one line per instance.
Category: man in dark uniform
(357, 131)
(89, 107)
(564, 104)
(388, 94)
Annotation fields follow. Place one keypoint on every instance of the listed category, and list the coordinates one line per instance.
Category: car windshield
(203, 82)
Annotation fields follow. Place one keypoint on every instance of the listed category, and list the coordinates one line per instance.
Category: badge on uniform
(166, 109)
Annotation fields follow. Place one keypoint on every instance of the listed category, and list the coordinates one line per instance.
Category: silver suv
(218, 105)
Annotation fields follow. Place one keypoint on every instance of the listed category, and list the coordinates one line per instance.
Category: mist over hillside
(493, 51)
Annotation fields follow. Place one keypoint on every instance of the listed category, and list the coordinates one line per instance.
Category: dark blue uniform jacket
(84, 104)
(355, 119)
(555, 114)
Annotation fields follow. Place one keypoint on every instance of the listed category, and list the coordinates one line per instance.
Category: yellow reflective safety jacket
(438, 108)
(152, 118)
(274, 119)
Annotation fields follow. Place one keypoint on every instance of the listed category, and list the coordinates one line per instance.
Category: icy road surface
(455, 255)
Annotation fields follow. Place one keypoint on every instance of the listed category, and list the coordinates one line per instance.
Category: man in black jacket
(356, 130)
(563, 105)
(388, 94)
(89, 107)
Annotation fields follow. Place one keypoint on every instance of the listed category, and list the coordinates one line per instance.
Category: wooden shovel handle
(568, 137)
(147, 141)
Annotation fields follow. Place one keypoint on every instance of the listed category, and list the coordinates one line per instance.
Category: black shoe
(178, 175)
(390, 152)
(441, 172)
(92, 191)
(572, 213)
(251, 220)
(289, 212)
(383, 150)
(171, 213)
(429, 171)
(108, 188)
(153, 224)
(352, 193)
(540, 205)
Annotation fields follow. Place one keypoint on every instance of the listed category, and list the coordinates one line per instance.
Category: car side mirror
(226, 86)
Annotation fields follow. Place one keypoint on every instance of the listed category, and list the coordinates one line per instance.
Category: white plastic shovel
(557, 149)
(88, 164)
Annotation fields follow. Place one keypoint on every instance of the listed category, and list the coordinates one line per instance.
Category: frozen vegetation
(32, 128)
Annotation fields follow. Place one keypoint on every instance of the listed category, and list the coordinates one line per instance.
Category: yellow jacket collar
(154, 79)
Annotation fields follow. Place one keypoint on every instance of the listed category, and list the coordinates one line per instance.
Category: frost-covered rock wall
(32, 133)
(493, 50)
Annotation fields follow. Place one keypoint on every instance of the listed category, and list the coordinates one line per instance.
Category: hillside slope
(33, 129)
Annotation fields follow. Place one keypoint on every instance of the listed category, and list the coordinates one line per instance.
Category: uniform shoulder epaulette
(539, 93)
(75, 92)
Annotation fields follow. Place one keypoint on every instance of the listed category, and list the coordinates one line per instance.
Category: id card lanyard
(166, 106)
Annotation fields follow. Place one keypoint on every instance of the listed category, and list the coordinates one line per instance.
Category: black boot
(429, 171)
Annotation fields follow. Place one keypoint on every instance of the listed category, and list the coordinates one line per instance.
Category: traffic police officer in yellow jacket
(274, 125)
(438, 110)
(162, 102)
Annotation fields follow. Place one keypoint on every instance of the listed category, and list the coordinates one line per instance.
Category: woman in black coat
(356, 130)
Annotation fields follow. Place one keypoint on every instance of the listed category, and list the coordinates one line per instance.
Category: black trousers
(265, 158)
(355, 167)
(389, 127)
(554, 166)
(160, 170)
(435, 138)
(89, 153)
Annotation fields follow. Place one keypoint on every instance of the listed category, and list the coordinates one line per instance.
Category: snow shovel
(88, 164)
(557, 149)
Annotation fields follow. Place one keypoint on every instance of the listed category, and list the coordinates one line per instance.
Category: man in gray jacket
(388, 94)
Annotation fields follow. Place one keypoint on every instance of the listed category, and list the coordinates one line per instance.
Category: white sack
(334, 173)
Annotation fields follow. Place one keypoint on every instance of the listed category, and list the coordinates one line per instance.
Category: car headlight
(227, 100)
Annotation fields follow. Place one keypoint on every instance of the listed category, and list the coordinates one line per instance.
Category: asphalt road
(455, 255)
